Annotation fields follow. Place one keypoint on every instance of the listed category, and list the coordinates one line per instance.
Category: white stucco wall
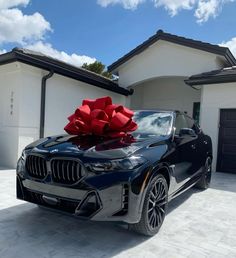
(64, 95)
(214, 98)
(165, 93)
(9, 112)
(21, 87)
(166, 59)
(29, 105)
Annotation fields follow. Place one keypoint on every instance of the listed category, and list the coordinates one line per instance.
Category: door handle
(193, 146)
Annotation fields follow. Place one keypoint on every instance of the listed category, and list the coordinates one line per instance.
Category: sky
(79, 31)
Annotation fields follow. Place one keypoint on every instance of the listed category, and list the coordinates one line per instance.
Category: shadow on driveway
(26, 230)
(29, 231)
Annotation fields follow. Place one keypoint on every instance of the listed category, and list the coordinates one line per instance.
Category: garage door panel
(226, 160)
(229, 114)
(229, 140)
(230, 124)
(229, 132)
(229, 149)
(229, 163)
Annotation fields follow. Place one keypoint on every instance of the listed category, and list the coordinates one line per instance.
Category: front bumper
(100, 202)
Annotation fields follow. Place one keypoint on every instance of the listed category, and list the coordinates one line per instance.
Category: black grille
(65, 171)
(36, 166)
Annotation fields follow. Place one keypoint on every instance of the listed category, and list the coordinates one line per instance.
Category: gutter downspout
(43, 101)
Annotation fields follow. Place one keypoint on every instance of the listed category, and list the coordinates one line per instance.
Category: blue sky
(78, 31)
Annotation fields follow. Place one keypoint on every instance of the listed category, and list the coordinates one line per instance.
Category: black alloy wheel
(154, 208)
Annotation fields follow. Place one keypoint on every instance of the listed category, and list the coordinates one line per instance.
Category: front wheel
(205, 180)
(154, 207)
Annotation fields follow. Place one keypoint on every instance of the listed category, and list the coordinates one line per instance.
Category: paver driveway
(199, 224)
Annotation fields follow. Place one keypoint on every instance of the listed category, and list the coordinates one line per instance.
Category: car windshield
(152, 123)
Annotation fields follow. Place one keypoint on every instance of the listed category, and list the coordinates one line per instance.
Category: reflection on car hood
(96, 147)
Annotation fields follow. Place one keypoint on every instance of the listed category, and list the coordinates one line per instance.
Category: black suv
(129, 179)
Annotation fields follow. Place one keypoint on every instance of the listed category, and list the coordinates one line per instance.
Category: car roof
(158, 110)
(165, 111)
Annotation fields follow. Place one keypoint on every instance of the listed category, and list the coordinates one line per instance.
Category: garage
(218, 114)
(226, 160)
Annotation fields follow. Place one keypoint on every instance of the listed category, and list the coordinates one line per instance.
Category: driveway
(199, 224)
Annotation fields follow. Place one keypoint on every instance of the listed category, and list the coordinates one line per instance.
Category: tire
(205, 180)
(154, 207)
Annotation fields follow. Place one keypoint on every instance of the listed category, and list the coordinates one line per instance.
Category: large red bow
(101, 117)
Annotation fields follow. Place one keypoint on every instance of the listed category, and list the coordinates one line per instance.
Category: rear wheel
(154, 208)
(205, 180)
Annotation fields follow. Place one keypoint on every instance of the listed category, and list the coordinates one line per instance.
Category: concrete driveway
(199, 224)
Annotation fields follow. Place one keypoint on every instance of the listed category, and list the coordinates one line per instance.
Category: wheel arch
(163, 170)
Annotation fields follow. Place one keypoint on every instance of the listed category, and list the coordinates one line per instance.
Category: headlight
(21, 164)
(117, 164)
(23, 155)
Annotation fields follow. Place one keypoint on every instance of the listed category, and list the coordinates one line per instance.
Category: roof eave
(65, 70)
(210, 80)
(160, 35)
(230, 57)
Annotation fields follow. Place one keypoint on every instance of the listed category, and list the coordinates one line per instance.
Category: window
(153, 123)
(180, 122)
(191, 124)
(196, 111)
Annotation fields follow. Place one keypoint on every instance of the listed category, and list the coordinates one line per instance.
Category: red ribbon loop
(101, 117)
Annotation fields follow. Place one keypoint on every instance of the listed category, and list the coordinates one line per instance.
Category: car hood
(94, 147)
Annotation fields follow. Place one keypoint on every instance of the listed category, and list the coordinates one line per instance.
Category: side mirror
(187, 131)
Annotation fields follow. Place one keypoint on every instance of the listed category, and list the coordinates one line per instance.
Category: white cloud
(203, 9)
(127, 4)
(48, 50)
(174, 6)
(209, 8)
(5, 4)
(29, 31)
(3, 51)
(15, 27)
(231, 44)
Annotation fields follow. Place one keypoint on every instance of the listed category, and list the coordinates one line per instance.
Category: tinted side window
(191, 124)
(180, 122)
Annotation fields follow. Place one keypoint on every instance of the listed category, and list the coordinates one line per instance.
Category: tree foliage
(97, 67)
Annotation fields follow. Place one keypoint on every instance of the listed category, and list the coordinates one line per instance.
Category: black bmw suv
(129, 179)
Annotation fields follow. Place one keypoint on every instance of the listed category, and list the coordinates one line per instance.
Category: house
(171, 72)
(218, 113)
(38, 93)
(164, 72)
